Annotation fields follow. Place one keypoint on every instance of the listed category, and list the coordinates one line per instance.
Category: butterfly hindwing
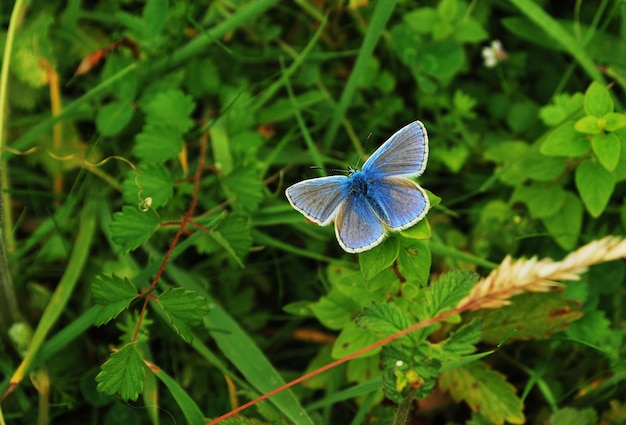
(404, 153)
(318, 199)
(400, 202)
(357, 227)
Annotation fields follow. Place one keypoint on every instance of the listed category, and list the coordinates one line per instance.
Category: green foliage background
(155, 178)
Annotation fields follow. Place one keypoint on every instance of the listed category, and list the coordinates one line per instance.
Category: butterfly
(380, 197)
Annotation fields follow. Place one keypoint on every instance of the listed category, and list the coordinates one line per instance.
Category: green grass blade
(560, 35)
(376, 27)
(190, 409)
(237, 346)
(65, 289)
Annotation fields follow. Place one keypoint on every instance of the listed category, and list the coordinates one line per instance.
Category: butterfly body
(368, 202)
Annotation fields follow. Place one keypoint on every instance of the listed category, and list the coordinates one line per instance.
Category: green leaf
(113, 117)
(154, 17)
(613, 121)
(598, 100)
(592, 328)
(470, 31)
(535, 316)
(607, 148)
(565, 225)
(231, 235)
(588, 125)
(351, 339)
(485, 391)
(414, 260)
(542, 199)
(565, 141)
(132, 227)
(153, 181)
(573, 416)
(184, 310)
(533, 166)
(246, 186)
(114, 294)
(334, 310)
(595, 185)
(32, 44)
(123, 373)
(407, 373)
(442, 59)
(445, 293)
(563, 105)
(383, 319)
(463, 341)
(170, 109)
(379, 258)
(421, 20)
(126, 87)
(158, 143)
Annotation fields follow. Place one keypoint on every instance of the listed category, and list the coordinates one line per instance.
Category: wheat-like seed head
(514, 277)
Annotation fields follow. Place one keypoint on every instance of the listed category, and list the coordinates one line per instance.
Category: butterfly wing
(357, 227)
(405, 153)
(398, 201)
(318, 199)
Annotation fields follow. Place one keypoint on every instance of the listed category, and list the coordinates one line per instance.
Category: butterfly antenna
(364, 149)
(336, 170)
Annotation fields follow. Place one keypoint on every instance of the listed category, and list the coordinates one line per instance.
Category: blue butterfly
(368, 202)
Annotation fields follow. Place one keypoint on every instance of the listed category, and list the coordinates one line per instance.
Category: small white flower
(494, 54)
(399, 363)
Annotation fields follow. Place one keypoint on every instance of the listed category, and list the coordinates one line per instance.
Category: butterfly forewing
(318, 199)
(356, 226)
(403, 202)
(404, 153)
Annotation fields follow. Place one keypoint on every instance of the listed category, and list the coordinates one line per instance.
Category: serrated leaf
(184, 309)
(448, 290)
(379, 258)
(114, 294)
(153, 181)
(113, 117)
(383, 319)
(123, 373)
(132, 227)
(234, 235)
(170, 109)
(231, 235)
(542, 199)
(565, 225)
(598, 100)
(158, 143)
(463, 341)
(565, 141)
(595, 185)
(529, 316)
(607, 148)
(406, 372)
(485, 391)
(246, 186)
